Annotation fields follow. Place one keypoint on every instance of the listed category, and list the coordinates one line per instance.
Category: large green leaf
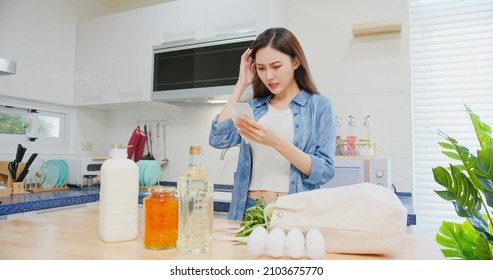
(461, 241)
(457, 245)
(485, 164)
(483, 131)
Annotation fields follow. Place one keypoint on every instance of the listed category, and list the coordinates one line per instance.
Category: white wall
(367, 75)
(40, 37)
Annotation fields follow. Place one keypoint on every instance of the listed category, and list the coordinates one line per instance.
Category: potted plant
(469, 186)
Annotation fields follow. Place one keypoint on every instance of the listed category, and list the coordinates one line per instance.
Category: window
(452, 65)
(52, 127)
(13, 120)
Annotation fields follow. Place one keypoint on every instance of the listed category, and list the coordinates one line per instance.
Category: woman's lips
(273, 86)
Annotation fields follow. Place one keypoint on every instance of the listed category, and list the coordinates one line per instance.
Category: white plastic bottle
(118, 198)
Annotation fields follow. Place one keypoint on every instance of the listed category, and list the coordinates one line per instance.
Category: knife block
(6, 177)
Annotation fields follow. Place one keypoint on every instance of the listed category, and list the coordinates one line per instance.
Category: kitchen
(362, 75)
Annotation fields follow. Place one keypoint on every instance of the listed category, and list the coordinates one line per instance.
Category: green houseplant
(469, 186)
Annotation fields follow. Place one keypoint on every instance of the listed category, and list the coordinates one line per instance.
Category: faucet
(223, 153)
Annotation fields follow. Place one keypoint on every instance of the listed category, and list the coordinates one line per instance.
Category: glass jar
(161, 218)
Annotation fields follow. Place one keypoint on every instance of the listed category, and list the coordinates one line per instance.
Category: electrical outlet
(86, 146)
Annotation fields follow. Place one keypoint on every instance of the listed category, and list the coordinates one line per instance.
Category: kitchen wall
(363, 76)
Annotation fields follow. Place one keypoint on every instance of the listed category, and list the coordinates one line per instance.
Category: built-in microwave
(197, 71)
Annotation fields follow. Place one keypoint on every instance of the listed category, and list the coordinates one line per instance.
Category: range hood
(7, 67)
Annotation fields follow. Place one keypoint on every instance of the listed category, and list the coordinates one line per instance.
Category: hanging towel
(139, 150)
(135, 147)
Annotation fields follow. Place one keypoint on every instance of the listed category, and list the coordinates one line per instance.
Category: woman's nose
(270, 74)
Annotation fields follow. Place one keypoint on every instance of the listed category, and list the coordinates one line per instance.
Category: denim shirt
(314, 133)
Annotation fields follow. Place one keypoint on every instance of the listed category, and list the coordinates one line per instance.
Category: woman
(292, 136)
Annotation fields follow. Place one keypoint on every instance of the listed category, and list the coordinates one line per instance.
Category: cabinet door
(180, 20)
(131, 57)
(93, 70)
(226, 17)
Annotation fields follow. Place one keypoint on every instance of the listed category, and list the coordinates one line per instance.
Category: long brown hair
(284, 41)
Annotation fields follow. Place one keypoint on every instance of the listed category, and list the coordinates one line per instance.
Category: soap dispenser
(351, 138)
(366, 138)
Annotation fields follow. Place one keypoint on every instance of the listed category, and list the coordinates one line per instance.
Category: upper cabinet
(113, 59)
(114, 52)
(179, 20)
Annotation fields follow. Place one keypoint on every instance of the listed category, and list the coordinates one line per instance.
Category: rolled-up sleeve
(223, 134)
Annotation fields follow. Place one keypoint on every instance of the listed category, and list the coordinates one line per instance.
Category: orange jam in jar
(161, 218)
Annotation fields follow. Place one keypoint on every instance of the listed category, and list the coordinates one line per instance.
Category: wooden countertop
(73, 235)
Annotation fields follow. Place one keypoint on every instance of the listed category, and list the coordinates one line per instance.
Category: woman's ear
(296, 63)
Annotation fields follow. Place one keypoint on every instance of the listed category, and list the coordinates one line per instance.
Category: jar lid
(195, 150)
(162, 189)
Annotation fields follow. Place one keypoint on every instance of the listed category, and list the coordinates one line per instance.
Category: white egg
(295, 243)
(275, 242)
(315, 244)
(256, 242)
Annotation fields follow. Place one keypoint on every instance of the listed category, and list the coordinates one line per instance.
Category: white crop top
(270, 170)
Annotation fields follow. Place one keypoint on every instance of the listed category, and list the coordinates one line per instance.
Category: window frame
(51, 145)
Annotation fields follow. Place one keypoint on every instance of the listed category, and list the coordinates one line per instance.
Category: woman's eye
(260, 68)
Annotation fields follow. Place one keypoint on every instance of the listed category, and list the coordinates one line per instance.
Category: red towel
(139, 150)
(136, 144)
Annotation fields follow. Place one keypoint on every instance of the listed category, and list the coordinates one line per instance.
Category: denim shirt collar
(301, 98)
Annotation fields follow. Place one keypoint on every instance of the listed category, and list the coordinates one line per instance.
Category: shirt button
(295, 113)
(296, 144)
(292, 182)
(297, 125)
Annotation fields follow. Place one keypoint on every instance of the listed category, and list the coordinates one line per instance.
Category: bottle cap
(195, 150)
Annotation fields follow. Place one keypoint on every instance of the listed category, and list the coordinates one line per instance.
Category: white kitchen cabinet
(206, 19)
(180, 20)
(92, 67)
(226, 17)
(114, 58)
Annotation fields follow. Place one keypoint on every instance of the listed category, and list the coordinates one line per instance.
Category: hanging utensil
(148, 156)
(150, 142)
(165, 160)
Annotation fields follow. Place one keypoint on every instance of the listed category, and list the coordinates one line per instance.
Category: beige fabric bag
(357, 219)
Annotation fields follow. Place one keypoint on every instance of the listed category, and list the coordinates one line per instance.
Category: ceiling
(113, 4)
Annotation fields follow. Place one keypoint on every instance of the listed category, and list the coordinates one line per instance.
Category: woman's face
(276, 70)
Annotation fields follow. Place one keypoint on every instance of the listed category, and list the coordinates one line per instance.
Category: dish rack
(34, 185)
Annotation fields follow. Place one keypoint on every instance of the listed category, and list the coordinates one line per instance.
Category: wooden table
(73, 235)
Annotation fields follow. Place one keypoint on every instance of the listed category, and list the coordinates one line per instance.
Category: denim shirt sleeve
(224, 134)
(323, 168)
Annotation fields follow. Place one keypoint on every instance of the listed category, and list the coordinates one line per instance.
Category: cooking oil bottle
(196, 207)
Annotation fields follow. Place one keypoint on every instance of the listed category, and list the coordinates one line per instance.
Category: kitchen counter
(73, 234)
(29, 202)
